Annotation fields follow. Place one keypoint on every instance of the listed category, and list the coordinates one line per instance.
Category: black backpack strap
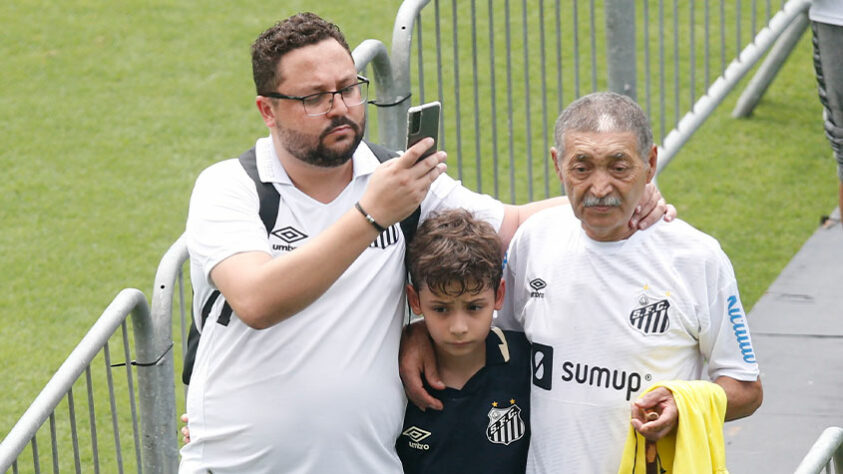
(267, 194)
(190, 353)
(193, 338)
(411, 222)
(381, 153)
(409, 225)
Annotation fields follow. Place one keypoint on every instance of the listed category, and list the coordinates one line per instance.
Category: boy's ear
(413, 299)
(499, 294)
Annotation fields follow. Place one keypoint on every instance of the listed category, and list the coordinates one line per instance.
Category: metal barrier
(826, 451)
(503, 71)
(170, 284)
(151, 443)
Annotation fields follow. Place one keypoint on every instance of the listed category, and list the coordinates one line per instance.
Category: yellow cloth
(696, 446)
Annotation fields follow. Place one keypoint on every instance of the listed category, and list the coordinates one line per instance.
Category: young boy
(455, 267)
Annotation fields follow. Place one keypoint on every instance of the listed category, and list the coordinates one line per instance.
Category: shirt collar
(497, 353)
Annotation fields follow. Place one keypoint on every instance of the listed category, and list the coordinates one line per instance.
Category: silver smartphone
(422, 122)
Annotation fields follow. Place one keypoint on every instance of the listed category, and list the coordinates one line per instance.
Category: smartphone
(423, 122)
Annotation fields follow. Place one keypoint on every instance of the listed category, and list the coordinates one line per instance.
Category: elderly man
(610, 310)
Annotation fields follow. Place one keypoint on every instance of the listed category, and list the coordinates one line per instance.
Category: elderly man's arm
(742, 397)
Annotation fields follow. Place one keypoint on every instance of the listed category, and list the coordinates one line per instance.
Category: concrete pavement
(797, 332)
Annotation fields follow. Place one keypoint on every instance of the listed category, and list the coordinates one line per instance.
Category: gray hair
(605, 112)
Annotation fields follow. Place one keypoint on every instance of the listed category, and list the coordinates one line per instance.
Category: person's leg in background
(828, 63)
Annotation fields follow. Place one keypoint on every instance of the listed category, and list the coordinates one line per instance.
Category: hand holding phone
(422, 122)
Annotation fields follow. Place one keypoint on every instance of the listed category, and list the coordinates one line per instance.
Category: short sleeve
(725, 338)
(223, 219)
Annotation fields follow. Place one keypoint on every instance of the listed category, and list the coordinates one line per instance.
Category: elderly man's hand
(651, 208)
(654, 415)
(416, 357)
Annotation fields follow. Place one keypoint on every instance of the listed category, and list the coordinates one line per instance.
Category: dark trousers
(828, 63)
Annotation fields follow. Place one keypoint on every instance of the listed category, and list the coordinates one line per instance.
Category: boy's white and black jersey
(319, 391)
(485, 426)
(608, 319)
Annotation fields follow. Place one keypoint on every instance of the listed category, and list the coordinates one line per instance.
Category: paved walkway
(797, 331)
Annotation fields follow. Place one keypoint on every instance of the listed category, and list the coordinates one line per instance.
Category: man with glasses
(297, 366)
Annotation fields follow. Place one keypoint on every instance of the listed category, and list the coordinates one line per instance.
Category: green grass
(759, 185)
(109, 110)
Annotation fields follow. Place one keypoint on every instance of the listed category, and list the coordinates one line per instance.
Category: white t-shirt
(319, 391)
(609, 319)
(827, 11)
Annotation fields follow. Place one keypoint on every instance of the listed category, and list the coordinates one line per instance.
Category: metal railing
(151, 442)
(503, 70)
(169, 292)
(827, 452)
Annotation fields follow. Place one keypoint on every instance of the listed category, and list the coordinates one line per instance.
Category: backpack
(268, 211)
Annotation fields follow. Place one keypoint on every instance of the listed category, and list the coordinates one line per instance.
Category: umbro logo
(416, 435)
(537, 284)
(289, 234)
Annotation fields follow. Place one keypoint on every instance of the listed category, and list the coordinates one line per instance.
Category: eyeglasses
(321, 103)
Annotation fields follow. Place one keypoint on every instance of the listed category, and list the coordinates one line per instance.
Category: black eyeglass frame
(360, 81)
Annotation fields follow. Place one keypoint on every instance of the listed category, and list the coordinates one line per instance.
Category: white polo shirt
(319, 391)
(609, 319)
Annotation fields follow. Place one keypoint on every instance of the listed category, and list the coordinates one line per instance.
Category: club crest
(651, 317)
(505, 425)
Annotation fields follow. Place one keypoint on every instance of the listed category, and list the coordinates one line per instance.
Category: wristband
(368, 217)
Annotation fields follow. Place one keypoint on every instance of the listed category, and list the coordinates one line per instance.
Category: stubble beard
(301, 145)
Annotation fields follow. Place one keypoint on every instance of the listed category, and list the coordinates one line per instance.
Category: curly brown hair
(455, 248)
(301, 29)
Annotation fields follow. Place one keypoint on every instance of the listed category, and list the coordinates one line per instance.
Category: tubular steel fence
(825, 454)
(503, 70)
(79, 439)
